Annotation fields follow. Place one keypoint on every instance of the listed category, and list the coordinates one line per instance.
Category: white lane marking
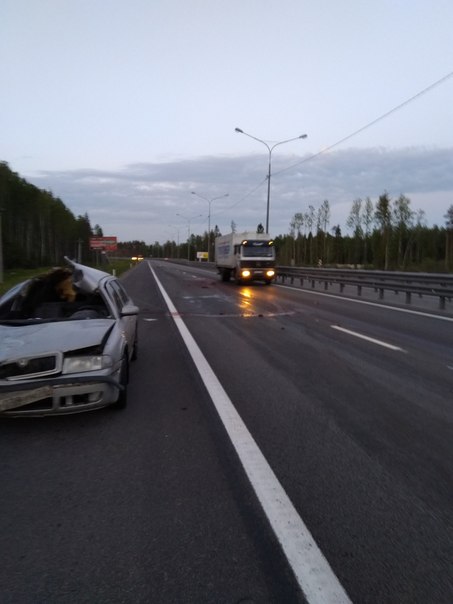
(367, 338)
(345, 298)
(312, 571)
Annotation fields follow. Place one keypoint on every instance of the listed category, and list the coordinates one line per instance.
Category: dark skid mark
(270, 315)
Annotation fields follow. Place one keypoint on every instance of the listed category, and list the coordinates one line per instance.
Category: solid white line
(376, 304)
(363, 337)
(312, 571)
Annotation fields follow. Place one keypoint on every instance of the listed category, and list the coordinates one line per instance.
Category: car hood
(62, 336)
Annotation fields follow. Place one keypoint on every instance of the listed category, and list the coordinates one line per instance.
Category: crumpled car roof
(86, 277)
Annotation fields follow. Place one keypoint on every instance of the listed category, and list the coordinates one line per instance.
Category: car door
(122, 302)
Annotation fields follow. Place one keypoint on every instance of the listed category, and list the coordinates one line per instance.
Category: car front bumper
(58, 396)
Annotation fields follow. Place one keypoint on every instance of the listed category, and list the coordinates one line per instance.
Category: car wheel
(135, 348)
(121, 403)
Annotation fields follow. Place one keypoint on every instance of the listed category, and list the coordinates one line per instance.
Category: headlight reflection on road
(246, 302)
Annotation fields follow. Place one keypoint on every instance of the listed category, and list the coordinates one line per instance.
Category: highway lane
(358, 433)
(151, 505)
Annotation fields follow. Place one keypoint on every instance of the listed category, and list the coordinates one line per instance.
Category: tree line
(386, 235)
(38, 230)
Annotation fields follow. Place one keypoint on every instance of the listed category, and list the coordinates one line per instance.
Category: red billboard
(108, 244)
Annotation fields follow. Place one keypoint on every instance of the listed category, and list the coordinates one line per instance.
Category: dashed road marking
(367, 338)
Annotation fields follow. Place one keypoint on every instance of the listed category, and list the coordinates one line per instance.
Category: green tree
(310, 221)
(324, 219)
(449, 238)
(295, 225)
(337, 245)
(403, 223)
(367, 221)
(354, 222)
(383, 218)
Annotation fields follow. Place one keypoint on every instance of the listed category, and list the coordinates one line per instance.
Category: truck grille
(257, 264)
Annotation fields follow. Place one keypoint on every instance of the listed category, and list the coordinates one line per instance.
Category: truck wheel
(226, 274)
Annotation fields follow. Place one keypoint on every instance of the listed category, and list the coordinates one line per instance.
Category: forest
(386, 235)
(38, 230)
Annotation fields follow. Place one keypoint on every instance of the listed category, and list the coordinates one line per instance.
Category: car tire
(121, 402)
(135, 348)
(225, 274)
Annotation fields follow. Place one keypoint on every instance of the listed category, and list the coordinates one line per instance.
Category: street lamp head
(303, 136)
(209, 200)
(239, 130)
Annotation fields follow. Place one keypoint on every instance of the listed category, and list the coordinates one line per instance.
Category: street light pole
(209, 217)
(189, 219)
(270, 149)
(177, 231)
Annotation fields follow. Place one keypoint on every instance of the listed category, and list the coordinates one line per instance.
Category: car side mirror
(129, 310)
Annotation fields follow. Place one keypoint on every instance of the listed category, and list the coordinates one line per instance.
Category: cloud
(142, 201)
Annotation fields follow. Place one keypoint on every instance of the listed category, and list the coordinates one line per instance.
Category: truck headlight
(270, 273)
(80, 364)
(245, 273)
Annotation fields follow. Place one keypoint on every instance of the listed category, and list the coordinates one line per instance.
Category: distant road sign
(108, 244)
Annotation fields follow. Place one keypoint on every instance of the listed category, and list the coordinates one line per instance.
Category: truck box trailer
(245, 257)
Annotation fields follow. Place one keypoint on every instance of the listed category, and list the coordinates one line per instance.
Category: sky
(125, 108)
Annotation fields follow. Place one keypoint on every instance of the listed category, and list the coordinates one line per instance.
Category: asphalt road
(350, 404)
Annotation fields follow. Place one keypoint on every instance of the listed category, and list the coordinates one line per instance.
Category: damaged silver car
(66, 341)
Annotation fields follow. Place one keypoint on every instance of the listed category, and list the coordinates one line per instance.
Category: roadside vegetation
(386, 234)
(38, 230)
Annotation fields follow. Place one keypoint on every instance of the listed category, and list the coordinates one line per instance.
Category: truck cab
(246, 256)
(255, 260)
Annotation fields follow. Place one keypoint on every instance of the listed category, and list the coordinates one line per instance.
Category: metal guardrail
(438, 285)
(421, 284)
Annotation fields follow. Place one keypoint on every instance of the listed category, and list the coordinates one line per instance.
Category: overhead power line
(243, 197)
(375, 121)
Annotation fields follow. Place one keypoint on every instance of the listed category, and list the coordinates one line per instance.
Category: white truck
(245, 257)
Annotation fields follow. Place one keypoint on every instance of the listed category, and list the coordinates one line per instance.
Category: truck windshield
(254, 249)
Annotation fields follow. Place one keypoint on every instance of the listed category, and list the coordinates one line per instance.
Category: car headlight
(86, 363)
